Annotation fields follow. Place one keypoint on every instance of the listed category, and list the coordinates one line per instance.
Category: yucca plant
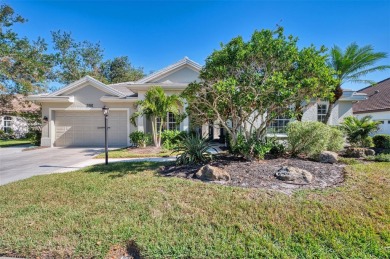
(357, 130)
(193, 149)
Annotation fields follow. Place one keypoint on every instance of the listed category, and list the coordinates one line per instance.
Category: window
(7, 126)
(279, 124)
(382, 122)
(171, 123)
(321, 112)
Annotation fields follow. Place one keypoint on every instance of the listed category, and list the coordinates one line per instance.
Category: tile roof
(378, 98)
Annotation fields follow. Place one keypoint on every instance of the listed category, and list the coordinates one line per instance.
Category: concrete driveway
(16, 164)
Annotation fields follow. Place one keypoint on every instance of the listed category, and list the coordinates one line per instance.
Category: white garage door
(86, 129)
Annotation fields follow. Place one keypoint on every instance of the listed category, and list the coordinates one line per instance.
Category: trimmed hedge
(382, 141)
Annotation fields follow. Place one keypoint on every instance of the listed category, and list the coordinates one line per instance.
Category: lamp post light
(105, 113)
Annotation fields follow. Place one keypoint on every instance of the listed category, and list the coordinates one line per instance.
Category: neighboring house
(377, 105)
(10, 121)
(75, 115)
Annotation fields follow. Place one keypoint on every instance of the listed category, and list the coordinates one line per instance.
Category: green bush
(311, 138)
(254, 148)
(382, 141)
(140, 139)
(277, 147)
(193, 149)
(7, 135)
(35, 137)
(379, 158)
(368, 142)
(336, 139)
(171, 138)
(3, 135)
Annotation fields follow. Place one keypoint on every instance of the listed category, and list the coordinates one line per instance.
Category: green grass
(81, 214)
(379, 158)
(125, 153)
(13, 142)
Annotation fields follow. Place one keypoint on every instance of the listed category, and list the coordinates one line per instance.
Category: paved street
(16, 164)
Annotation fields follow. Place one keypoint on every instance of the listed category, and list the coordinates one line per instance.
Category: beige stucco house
(74, 113)
(377, 105)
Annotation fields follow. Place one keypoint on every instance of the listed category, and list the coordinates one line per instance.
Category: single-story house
(75, 115)
(377, 105)
(10, 120)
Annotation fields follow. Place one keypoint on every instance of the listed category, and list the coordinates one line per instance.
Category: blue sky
(158, 33)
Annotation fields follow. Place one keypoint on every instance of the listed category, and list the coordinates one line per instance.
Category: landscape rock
(358, 152)
(328, 157)
(289, 173)
(212, 173)
(369, 152)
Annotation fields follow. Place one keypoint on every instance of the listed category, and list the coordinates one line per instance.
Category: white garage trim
(52, 123)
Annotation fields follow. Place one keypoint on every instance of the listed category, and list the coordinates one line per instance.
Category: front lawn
(137, 153)
(13, 142)
(84, 213)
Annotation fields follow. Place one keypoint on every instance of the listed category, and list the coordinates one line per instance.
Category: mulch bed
(261, 174)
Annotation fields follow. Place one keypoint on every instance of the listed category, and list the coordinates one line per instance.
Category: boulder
(369, 152)
(358, 152)
(289, 173)
(212, 173)
(328, 157)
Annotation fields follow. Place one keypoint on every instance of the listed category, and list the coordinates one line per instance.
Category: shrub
(3, 135)
(311, 138)
(7, 135)
(256, 148)
(34, 136)
(379, 158)
(382, 141)
(336, 139)
(277, 147)
(357, 130)
(171, 138)
(368, 142)
(194, 150)
(140, 139)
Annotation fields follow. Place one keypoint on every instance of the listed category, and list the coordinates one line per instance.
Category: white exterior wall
(379, 116)
(19, 125)
(183, 75)
(82, 96)
(339, 112)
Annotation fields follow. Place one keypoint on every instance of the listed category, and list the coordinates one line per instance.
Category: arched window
(7, 124)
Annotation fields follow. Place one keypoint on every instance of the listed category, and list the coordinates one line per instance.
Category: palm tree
(351, 65)
(357, 130)
(155, 107)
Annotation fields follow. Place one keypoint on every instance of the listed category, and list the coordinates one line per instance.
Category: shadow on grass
(120, 169)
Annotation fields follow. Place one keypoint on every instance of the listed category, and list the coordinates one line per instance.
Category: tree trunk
(298, 111)
(330, 108)
(338, 92)
(159, 133)
(154, 130)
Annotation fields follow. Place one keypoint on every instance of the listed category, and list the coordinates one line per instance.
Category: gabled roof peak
(92, 81)
(185, 61)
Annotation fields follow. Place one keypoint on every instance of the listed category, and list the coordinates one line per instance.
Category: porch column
(185, 124)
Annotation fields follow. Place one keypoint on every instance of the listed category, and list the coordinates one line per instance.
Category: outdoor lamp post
(105, 113)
